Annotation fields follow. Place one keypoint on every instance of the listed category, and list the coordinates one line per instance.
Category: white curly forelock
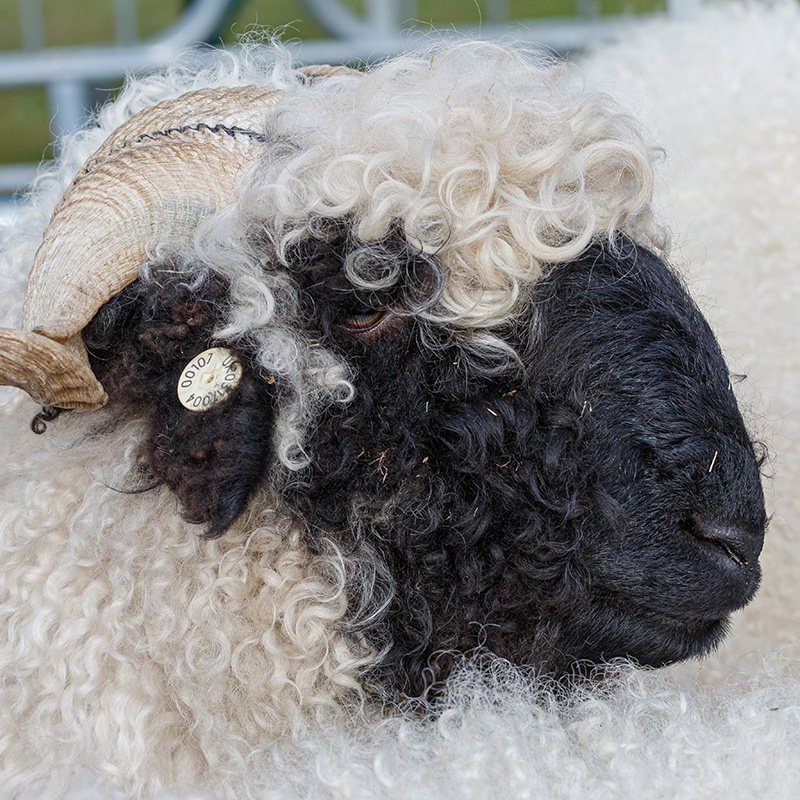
(493, 160)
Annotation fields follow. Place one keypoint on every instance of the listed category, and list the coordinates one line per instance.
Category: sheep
(551, 341)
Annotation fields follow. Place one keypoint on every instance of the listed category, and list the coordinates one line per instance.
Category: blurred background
(60, 58)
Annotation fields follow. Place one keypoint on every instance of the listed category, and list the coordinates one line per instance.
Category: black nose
(734, 545)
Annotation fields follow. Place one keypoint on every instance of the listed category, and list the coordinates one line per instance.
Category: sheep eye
(362, 318)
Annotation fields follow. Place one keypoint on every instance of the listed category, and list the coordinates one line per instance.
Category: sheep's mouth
(731, 553)
(625, 629)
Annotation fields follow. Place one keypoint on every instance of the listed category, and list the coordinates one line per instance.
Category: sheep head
(459, 355)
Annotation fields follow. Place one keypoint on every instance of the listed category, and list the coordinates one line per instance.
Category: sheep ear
(210, 411)
(213, 459)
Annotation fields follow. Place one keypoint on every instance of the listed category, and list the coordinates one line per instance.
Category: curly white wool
(723, 91)
(503, 736)
(135, 646)
(487, 157)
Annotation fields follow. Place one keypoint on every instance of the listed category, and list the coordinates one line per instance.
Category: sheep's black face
(676, 522)
(603, 501)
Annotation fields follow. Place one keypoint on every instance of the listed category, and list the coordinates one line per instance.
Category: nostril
(739, 545)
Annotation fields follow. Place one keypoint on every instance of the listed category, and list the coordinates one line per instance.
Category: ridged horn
(50, 372)
(152, 181)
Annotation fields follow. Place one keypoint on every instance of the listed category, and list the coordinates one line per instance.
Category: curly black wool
(138, 345)
(549, 512)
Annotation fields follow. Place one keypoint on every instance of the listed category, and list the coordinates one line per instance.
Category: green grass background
(24, 116)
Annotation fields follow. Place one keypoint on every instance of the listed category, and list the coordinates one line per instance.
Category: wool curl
(490, 161)
(532, 167)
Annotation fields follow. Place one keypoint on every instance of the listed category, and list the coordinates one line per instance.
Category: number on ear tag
(208, 379)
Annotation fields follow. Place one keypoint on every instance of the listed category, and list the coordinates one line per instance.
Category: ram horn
(152, 181)
(52, 373)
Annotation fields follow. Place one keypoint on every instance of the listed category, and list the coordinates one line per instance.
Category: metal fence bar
(375, 34)
(126, 26)
(554, 35)
(587, 9)
(66, 71)
(16, 176)
(382, 17)
(68, 101)
(497, 12)
(104, 62)
(683, 9)
(337, 19)
(31, 26)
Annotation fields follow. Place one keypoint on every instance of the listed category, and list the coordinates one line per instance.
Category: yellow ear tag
(208, 379)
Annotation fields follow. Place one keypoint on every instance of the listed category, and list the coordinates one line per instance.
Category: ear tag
(209, 378)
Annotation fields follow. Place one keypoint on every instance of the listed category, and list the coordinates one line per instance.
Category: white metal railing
(387, 27)
(67, 72)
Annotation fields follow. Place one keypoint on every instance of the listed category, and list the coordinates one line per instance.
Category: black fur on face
(139, 343)
(601, 499)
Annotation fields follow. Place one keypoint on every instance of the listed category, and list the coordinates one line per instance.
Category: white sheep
(141, 658)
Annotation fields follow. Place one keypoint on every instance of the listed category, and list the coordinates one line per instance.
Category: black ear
(213, 453)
